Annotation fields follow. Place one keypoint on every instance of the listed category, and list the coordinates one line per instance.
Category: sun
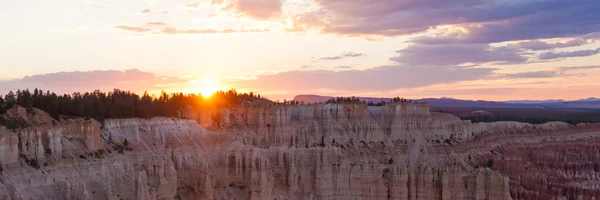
(206, 87)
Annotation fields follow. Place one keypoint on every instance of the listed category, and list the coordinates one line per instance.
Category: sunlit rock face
(321, 151)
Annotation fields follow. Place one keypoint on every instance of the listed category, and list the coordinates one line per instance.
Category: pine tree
(2, 105)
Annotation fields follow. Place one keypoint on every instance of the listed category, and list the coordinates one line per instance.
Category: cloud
(565, 54)
(375, 79)
(153, 28)
(151, 24)
(537, 45)
(256, 9)
(557, 72)
(534, 74)
(193, 6)
(487, 21)
(593, 36)
(84, 81)
(145, 11)
(174, 31)
(134, 28)
(579, 68)
(343, 55)
(456, 54)
(459, 32)
(381, 80)
(343, 67)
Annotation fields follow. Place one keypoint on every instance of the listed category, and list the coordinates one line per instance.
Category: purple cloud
(502, 20)
(579, 68)
(558, 72)
(534, 74)
(379, 78)
(537, 45)
(565, 54)
(448, 55)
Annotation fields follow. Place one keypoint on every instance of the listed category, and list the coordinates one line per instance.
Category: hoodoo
(276, 151)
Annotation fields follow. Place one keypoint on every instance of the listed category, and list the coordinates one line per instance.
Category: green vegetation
(344, 100)
(489, 163)
(119, 104)
(357, 100)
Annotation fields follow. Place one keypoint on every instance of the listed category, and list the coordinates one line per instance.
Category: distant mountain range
(445, 102)
(591, 99)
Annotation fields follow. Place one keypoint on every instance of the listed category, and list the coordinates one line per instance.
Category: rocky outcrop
(308, 125)
(9, 150)
(321, 151)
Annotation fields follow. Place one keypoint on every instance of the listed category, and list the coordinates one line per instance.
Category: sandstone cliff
(321, 151)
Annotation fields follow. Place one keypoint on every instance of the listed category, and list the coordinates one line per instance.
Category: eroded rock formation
(321, 151)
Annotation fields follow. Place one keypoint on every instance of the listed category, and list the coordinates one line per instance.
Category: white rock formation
(264, 151)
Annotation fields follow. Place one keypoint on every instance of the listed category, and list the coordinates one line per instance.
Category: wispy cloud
(566, 54)
(579, 68)
(343, 67)
(152, 28)
(134, 28)
(537, 45)
(535, 74)
(343, 55)
(383, 78)
(557, 72)
(456, 54)
(256, 9)
(193, 6)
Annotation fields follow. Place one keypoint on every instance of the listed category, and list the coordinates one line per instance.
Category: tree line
(120, 103)
(101, 105)
(357, 100)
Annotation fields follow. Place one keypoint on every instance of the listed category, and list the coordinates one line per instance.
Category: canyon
(264, 150)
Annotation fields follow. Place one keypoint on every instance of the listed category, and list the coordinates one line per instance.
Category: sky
(467, 49)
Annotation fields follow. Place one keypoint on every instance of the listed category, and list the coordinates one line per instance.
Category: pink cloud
(86, 81)
(256, 9)
(153, 28)
(376, 79)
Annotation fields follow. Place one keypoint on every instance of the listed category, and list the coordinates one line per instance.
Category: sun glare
(206, 87)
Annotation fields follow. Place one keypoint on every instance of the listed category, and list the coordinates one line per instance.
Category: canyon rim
(265, 150)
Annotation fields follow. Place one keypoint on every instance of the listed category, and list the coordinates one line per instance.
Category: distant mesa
(536, 101)
(445, 102)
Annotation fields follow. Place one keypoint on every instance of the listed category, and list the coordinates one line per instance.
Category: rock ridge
(320, 151)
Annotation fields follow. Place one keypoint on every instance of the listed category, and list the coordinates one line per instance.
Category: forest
(119, 103)
(353, 99)
(126, 104)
